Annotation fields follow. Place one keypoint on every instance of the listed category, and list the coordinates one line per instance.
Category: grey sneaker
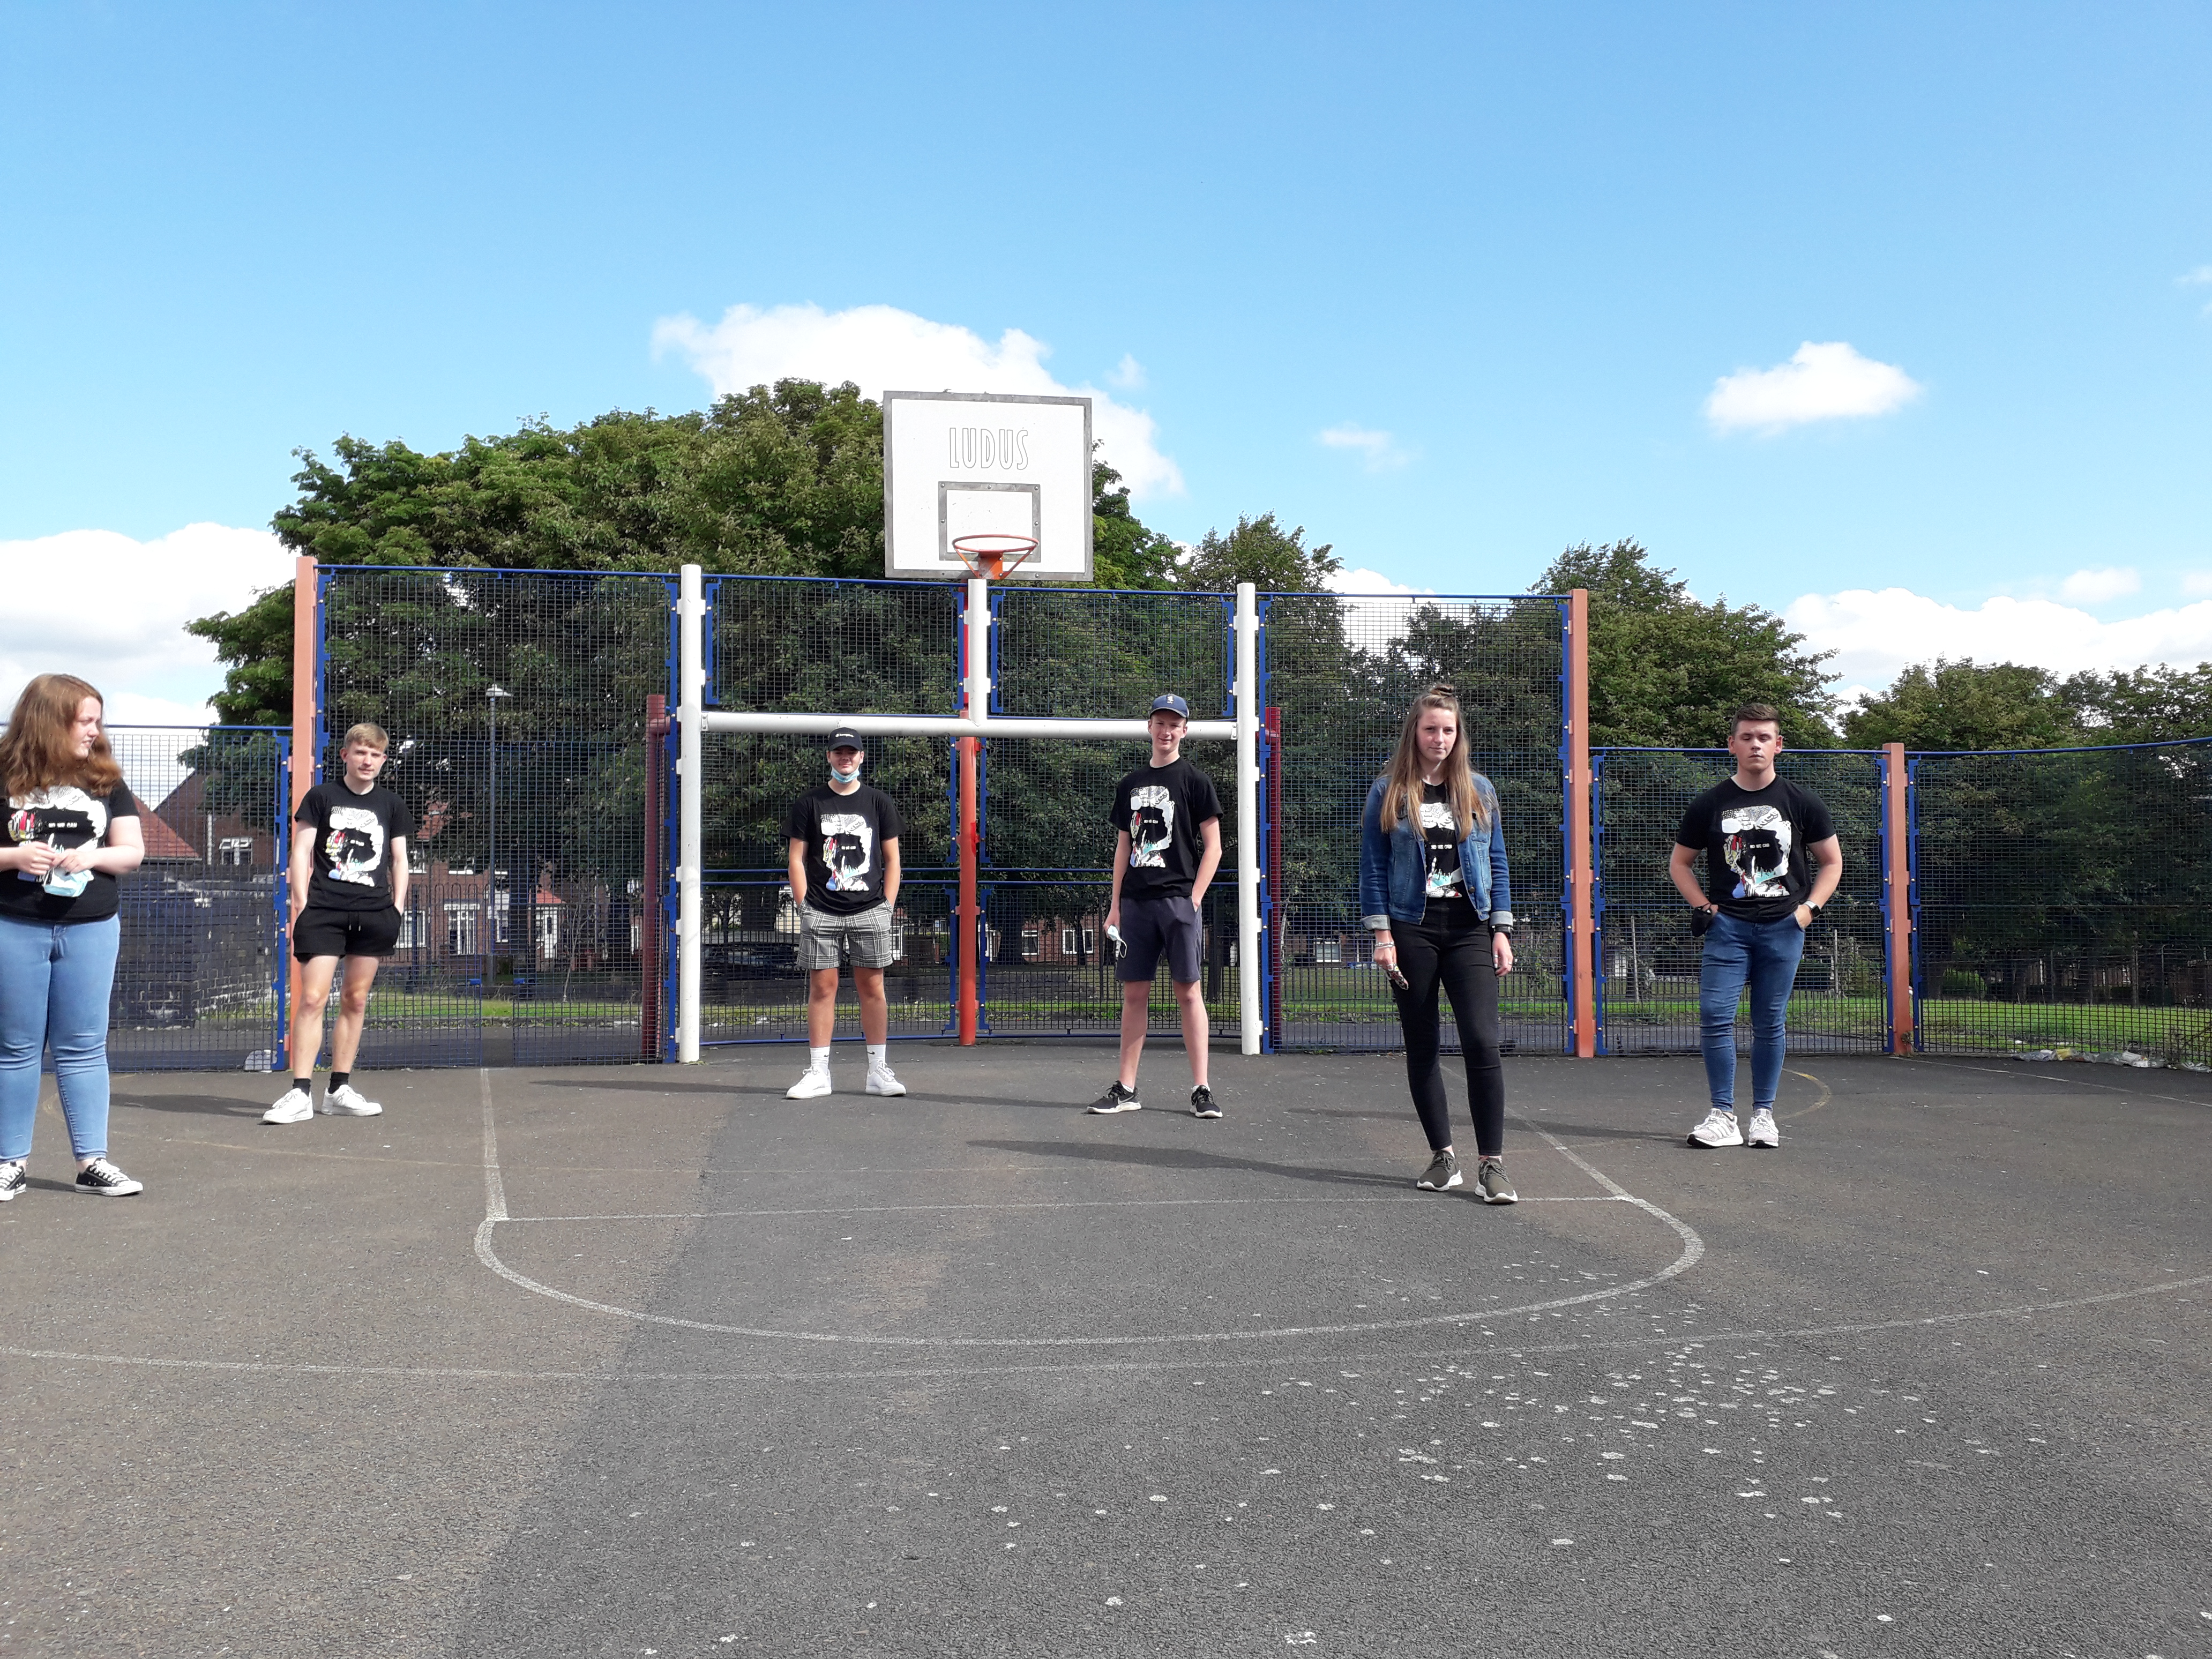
(1720, 1128)
(1490, 1181)
(346, 1101)
(13, 1179)
(1762, 1131)
(1442, 1174)
(101, 1179)
(1117, 1099)
(1202, 1104)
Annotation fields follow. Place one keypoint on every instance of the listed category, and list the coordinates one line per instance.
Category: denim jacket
(1394, 869)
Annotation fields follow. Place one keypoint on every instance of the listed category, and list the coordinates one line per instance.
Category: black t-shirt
(1754, 843)
(844, 837)
(69, 817)
(1447, 900)
(352, 868)
(1163, 807)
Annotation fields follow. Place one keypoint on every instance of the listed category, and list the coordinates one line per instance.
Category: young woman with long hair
(71, 828)
(1434, 891)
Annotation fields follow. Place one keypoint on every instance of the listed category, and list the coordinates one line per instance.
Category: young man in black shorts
(1167, 845)
(349, 887)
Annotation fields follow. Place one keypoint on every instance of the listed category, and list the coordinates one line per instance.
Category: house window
(1067, 941)
(502, 909)
(1032, 942)
(1328, 950)
(1090, 941)
(461, 929)
(236, 852)
(549, 933)
(406, 941)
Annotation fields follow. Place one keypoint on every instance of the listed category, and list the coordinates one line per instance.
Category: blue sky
(1507, 256)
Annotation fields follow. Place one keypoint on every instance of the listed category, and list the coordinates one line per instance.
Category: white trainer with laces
(294, 1105)
(13, 1178)
(882, 1080)
(1720, 1128)
(346, 1101)
(812, 1086)
(1763, 1132)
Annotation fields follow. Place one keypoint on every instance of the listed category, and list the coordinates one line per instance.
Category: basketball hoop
(993, 557)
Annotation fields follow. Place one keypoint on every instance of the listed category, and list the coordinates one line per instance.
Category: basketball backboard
(980, 464)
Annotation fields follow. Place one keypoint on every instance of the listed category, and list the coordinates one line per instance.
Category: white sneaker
(294, 1105)
(1763, 1132)
(1720, 1128)
(882, 1080)
(346, 1101)
(812, 1086)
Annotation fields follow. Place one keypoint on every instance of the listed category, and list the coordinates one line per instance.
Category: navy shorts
(1151, 926)
(326, 932)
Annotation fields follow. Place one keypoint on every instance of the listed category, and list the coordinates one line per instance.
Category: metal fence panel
(515, 704)
(1647, 979)
(1341, 671)
(2064, 902)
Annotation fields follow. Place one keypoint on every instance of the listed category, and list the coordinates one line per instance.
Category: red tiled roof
(162, 843)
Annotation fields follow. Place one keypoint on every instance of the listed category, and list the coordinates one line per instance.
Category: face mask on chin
(844, 777)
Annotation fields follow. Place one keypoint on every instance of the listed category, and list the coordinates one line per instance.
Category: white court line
(1040, 1204)
(1693, 1247)
(1669, 1339)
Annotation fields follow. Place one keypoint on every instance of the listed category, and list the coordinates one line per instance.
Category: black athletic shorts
(1151, 926)
(323, 933)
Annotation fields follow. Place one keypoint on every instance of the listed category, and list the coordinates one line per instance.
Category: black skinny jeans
(1456, 958)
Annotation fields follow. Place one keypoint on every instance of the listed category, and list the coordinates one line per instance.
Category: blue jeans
(54, 986)
(1763, 955)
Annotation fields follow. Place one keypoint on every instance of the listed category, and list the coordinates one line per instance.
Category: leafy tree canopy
(1665, 671)
(1262, 552)
(2005, 705)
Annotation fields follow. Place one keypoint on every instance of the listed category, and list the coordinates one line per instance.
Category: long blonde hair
(38, 749)
(1402, 784)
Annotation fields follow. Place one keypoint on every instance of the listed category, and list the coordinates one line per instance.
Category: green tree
(1666, 671)
(1966, 705)
(1262, 552)
(2141, 704)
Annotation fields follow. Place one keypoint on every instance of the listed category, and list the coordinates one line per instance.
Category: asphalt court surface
(633, 1360)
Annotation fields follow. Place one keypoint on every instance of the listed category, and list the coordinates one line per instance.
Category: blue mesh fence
(2064, 902)
(1647, 959)
(1340, 672)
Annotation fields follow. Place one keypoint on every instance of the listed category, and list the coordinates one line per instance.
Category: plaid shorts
(825, 939)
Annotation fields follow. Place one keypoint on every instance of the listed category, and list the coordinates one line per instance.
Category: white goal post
(694, 721)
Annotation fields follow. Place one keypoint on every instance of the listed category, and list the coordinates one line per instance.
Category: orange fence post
(1581, 876)
(1897, 887)
(305, 597)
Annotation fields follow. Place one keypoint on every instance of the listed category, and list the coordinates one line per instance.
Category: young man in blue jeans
(1771, 861)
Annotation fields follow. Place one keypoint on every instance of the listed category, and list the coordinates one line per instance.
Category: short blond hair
(368, 732)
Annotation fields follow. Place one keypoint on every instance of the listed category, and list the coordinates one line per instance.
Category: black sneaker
(1442, 1174)
(103, 1179)
(1201, 1102)
(13, 1179)
(1117, 1099)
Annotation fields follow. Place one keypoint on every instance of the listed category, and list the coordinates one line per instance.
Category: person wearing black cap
(1167, 845)
(844, 863)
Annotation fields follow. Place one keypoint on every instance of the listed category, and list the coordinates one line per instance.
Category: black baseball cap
(845, 738)
(1167, 702)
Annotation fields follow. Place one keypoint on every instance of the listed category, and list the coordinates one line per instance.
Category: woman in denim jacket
(1433, 890)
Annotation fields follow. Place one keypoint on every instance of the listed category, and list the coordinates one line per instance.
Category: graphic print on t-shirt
(353, 850)
(1445, 874)
(1756, 846)
(847, 849)
(63, 815)
(1151, 826)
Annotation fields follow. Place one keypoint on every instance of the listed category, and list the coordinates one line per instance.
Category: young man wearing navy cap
(844, 865)
(1167, 845)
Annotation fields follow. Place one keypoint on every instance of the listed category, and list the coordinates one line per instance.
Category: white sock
(880, 1054)
(817, 1059)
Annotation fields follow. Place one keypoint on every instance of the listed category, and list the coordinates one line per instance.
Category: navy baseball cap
(1169, 703)
(844, 738)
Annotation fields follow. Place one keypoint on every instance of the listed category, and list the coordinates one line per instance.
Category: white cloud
(1380, 449)
(2201, 274)
(1365, 624)
(1820, 382)
(2096, 586)
(881, 347)
(112, 611)
(1876, 635)
(2197, 584)
(1128, 373)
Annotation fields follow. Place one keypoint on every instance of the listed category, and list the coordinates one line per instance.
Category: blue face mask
(844, 777)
